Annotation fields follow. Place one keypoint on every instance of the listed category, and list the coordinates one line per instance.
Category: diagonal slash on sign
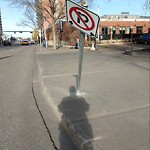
(86, 14)
(79, 16)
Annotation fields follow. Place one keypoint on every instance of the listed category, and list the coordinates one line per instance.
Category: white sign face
(81, 18)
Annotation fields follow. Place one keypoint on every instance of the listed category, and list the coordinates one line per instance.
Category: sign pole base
(92, 48)
(78, 94)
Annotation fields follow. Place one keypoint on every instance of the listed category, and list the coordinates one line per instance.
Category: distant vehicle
(7, 42)
(32, 42)
(25, 42)
(143, 39)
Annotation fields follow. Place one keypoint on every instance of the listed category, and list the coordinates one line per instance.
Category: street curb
(36, 89)
(137, 49)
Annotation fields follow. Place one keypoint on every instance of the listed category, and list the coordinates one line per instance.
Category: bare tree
(53, 10)
(29, 19)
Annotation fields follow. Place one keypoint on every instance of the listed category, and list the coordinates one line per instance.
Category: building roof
(124, 15)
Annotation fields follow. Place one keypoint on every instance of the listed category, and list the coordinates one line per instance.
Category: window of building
(129, 30)
(104, 30)
(113, 30)
(139, 29)
(122, 30)
(149, 30)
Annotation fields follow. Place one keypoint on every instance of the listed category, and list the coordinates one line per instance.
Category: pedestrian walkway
(114, 114)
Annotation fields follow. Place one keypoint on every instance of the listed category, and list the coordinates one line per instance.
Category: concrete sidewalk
(114, 115)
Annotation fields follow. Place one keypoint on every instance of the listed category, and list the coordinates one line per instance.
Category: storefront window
(149, 30)
(104, 30)
(122, 30)
(139, 29)
(113, 30)
(131, 30)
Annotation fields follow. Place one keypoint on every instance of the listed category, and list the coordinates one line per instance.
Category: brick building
(112, 27)
(119, 26)
(124, 24)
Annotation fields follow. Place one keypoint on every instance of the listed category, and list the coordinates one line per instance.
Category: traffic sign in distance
(82, 18)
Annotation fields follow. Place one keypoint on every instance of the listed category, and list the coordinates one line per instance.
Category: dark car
(143, 39)
(7, 42)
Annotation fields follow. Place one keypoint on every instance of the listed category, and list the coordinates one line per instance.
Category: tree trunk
(54, 34)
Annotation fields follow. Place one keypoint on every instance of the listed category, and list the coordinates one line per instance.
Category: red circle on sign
(78, 15)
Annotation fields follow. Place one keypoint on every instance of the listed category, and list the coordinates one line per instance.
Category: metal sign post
(78, 93)
(81, 49)
(87, 22)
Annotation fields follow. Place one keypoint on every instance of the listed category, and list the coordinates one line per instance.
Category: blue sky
(11, 15)
(134, 7)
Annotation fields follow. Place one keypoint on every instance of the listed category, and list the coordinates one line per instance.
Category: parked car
(25, 42)
(32, 42)
(7, 42)
(143, 39)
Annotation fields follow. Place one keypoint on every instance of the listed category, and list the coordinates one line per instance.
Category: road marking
(59, 75)
(113, 113)
(75, 74)
(121, 111)
(98, 138)
(92, 139)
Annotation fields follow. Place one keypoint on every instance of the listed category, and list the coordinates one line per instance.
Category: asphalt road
(21, 126)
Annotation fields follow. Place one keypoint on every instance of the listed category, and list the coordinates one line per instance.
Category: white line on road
(74, 74)
(122, 111)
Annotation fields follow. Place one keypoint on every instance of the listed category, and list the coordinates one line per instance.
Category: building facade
(114, 27)
(119, 26)
(124, 24)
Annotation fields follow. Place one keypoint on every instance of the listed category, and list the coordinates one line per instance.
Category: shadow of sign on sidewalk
(74, 110)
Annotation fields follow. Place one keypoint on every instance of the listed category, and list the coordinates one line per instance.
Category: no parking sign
(82, 18)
